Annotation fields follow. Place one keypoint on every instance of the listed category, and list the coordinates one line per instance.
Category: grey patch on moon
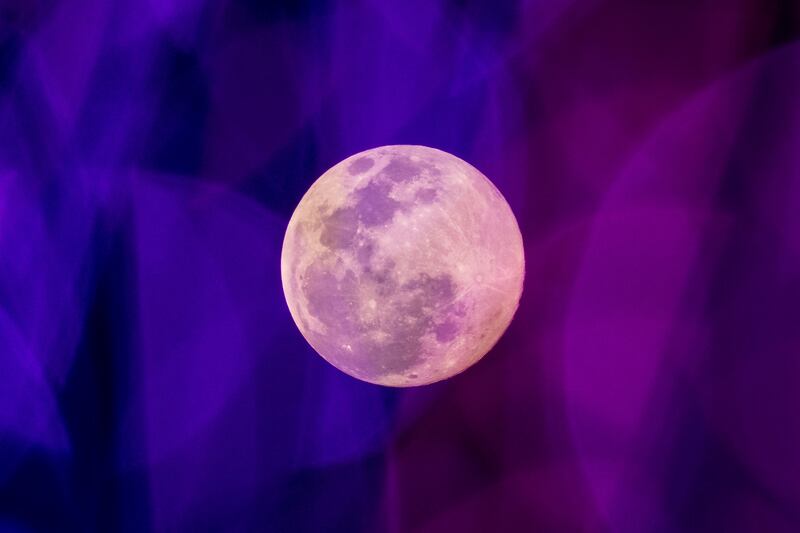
(332, 301)
(411, 316)
(360, 165)
(365, 249)
(383, 280)
(340, 229)
(426, 195)
(374, 206)
(401, 169)
(396, 333)
(448, 327)
(434, 290)
(446, 331)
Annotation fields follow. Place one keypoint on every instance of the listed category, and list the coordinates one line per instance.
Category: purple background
(151, 378)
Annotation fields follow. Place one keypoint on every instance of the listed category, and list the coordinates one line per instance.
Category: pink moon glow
(402, 265)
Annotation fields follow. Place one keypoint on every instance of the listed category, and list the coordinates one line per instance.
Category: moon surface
(402, 265)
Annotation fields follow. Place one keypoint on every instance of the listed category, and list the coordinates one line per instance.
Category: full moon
(402, 265)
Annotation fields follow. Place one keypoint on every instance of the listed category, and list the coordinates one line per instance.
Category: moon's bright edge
(402, 265)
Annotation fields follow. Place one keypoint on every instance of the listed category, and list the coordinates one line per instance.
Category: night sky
(152, 378)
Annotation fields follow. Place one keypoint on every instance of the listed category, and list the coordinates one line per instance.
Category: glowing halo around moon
(402, 265)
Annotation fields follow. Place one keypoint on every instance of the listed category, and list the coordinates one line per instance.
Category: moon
(402, 265)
